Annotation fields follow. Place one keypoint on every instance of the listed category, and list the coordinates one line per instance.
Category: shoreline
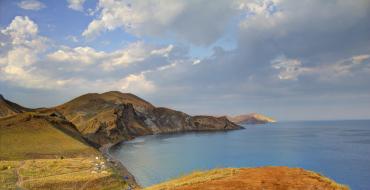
(118, 166)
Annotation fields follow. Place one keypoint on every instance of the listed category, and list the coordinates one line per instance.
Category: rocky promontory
(113, 116)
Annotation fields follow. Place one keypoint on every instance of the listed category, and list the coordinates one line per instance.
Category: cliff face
(252, 118)
(113, 116)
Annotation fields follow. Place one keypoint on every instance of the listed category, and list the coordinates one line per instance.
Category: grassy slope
(37, 139)
(31, 152)
(269, 178)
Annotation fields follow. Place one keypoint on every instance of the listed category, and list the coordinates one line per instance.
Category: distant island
(253, 118)
(67, 146)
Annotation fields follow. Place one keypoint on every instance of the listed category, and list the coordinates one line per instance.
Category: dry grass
(37, 138)
(71, 173)
(36, 154)
(268, 178)
(8, 177)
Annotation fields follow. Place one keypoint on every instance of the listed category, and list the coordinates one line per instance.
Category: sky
(292, 60)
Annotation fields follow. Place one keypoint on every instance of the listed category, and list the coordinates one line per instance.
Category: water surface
(337, 149)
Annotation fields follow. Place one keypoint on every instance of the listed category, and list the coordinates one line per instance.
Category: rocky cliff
(114, 116)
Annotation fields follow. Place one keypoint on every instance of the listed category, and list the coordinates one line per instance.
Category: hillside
(8, 108)
(268, 178)
(253, 118)
(114, 116)
(45, 151)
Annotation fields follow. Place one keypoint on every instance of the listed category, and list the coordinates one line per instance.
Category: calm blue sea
(337, 149)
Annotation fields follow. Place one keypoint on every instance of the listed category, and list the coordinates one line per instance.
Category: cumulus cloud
(21, 52)
(78, 55)
(132, 16)
(76, 5)
(24, 63)
(31, 5)
(136, 83)
(133, 53)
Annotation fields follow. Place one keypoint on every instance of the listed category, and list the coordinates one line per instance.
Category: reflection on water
(337, 149)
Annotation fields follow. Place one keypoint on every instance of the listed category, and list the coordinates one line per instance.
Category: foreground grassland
(36, 154)
(268, 178)
(71, 173)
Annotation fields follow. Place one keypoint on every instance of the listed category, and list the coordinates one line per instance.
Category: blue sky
(293, 60)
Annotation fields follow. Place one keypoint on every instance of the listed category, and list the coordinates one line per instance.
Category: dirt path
(19, 177)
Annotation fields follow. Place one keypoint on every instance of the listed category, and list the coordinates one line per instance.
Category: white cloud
(165, 67)
(163, 51)
(21, 30)
(181, 20)
(344, 68)
(360, 58)
(22, 63)
(21, 53)
(76, 5)
(78, 55)
(31, 5)
(136, 83)
(289, 69)
(76, 59)
(134, 53)
(133, 16)
(197, 61)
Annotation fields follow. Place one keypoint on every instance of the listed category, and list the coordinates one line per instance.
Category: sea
(339, 150)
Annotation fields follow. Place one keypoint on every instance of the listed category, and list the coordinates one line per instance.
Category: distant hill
(253, 118)
(251, 178)
(8, 108)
